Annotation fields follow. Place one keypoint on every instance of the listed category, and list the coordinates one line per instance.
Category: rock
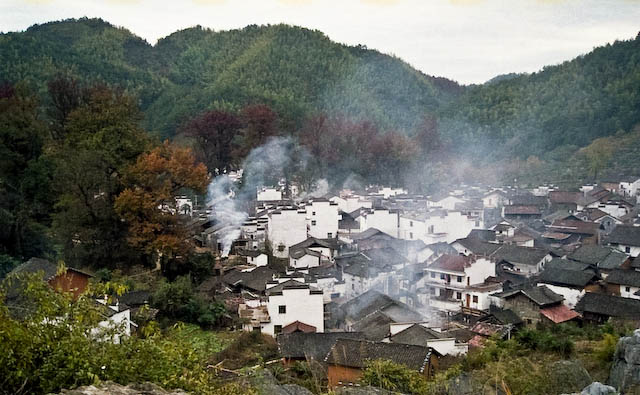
(568, 376)
(110, 388)
(362, 391)
(625, 371)
(266, 384)
(597, 388)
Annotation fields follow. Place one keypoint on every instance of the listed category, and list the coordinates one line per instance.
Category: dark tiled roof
(255, 280)
(521, 255)
(251, 253)
(608, 305)
(567, 278)
(565, 197)
(289, 284)
(564, 264)
(311, 345)
(478, 246)
(454, 263)
(356, 353)
(573, 226)
(416, 334)
(384, 256)
(315, 242)
(521, 210)
(590, 253)
(365, 304)
(369, 233)
(626, 235)
(135, 298)
(624, 277)
(613, 261)
(505, 316)
(35, 265)
(375, 326)
(542, 296)
(482, 234)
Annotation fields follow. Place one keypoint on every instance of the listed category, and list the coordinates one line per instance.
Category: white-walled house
(387, 192)
(420, 334)
(625, 238)
(495, 199)
(445, 202)
(350, 203)
(286, 227)
(625, 283)
(383, 219)
(184, 205)
(255, 258)
(322, 218)
(571, 284)
(268, 194)
(437, 226)
(525, 261)
(629, 187)
(293, 301)
(456, 281)
(117, 319)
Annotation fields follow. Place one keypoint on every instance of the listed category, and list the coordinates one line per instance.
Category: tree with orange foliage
(148, 203)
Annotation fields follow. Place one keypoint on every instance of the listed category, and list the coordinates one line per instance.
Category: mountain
(295, 70)
(556, 110)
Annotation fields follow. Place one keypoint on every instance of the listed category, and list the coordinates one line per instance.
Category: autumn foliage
(148, 203)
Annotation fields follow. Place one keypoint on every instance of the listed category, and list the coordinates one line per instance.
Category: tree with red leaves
(213, 133)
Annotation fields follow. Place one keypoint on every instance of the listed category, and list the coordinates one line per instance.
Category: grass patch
(205, 343)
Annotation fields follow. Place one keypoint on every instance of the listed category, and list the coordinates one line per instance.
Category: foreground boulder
(625, 371)
(597, 388)
(568, 376)
(109, 388)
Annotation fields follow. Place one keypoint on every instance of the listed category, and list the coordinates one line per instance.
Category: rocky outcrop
(109, 388)
(264, 382)
(568, 376)
(625, 371)
(363, 391)
(597, 388)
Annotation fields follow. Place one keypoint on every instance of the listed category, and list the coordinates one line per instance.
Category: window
(477, 223)
(277, 329)
(475, 298)
(281, 247)
(433, 275)
(329, 235)
(313, 223)
(442, 276)
(458, 295)
(627, 249)
(430, 228)
(411, 235)
(282, 309)
(313, 213)
(459, 279)
(353, 286)
(627, 289)
(411, 224)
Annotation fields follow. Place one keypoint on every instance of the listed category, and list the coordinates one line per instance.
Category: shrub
(607, 347)
(391, 376)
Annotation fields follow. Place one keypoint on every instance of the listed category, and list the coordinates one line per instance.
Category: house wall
(306, 261)
(351, 203)
(383, 220)
(528, 311)
(342, 375)
(454, 225)
(322, 219)
(286, 228)
(480, 270)
(300, 306)
(633, 250)
(571, 295)
(71, 281)
(630, 293)
(266, 194)
(120, 321)
(260, 260)
(412, 229)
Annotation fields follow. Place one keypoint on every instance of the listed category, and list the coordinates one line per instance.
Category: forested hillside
(296, 71)
(314, 89)
(553, 112)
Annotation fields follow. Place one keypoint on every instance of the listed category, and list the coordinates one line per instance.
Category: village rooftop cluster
(379, 273)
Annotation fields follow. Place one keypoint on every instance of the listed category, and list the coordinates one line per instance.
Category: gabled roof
(572, 226)
(311, 345)
(478, 246)
(624, 277)
(371, 232)
(135, 298)
(297, 326)
(520, 255)
(254, 280)
(565, 264)
(521, 210)
(290, 284)
(559, 313)
(540, 295)
(590, 253)
(356, 353)
(250, 253)
(384, 256)
(416, 334)
(314, 242)
(608, 305)
(567, 278)
(300, 252)
(615, 260)
(48, 268)
(564, 197)
(375, 326)
(625, 235)
(365, 304)
(454, 263)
